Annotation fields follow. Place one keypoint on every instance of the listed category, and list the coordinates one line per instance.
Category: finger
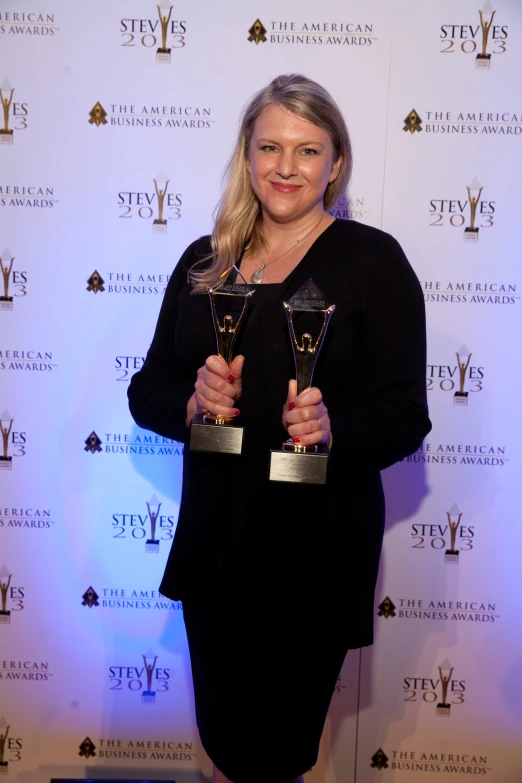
(218, 366)
(313, 439)
(311, 396)
(213, 381)
(215, 396)
(206, 405)
(308, 428)
(291, 395)
(236, 366)
(310, 413)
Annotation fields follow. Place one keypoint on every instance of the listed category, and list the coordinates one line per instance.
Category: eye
(267, 148)
(309, 151)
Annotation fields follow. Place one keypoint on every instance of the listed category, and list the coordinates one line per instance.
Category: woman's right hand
(218, 388)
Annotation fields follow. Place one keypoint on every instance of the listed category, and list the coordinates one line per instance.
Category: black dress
(265, 569)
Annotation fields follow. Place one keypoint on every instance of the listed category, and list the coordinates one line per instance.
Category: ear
(335, 169)
(248, 166)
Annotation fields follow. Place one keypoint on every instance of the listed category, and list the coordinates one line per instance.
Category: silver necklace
(257, 276)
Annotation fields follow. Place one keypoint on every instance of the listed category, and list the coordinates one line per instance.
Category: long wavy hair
(238, 218)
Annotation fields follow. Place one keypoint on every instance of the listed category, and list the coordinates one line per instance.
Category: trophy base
(148, 697)
(6, 136)
(221, 437)
(451, 556)
(152, 546)
(460, 398)
(443, 710)
(163, 55)
(483, 62)
(159, 227)
(296, 465)
(6, 302)
(6, 463)
(5, 618)
(471, 234)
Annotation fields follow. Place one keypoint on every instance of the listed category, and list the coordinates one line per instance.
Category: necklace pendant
(257, 276)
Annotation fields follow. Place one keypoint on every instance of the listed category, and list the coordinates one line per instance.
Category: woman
(277, 579)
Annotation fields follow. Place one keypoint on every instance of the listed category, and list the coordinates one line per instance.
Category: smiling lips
(282, 188)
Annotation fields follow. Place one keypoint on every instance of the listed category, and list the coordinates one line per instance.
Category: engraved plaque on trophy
(308, 315)
(229, 301)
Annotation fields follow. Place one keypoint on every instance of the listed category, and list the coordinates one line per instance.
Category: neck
(281, 234)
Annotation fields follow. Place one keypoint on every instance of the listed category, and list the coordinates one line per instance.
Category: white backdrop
(78, 197)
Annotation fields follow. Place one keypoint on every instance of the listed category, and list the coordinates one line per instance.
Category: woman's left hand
(305, 417)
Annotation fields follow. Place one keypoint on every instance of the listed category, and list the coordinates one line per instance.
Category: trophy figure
(5, 429)
(463, 358)
(474, 191)
(454, 516)
(4, 732)
(161, 184)
(486, 14)
(6, 301)
(163, 54)
(229, 302)
(149, 659)
(5, 581)
(304, 464)
(152, 544)
(445, 672)
(6, 135)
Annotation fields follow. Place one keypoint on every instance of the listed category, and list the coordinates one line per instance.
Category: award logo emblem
(386, 608)
(257, 32)
(97, 115)
(152, 544)
(87, 748)
(6, 301)
(6, 425)
(483, 60)
(149, 659)
(95, 283)
(454, 516)
(164, 13)
(90, 598)
(463, 358)
(5, 581)
(412, 122)
(4, 733)
(474, 190)
(161, 184)
(309, 313)
(379, 760)
(445, 672)
(229, 301)
(92, 443)
(6, 135)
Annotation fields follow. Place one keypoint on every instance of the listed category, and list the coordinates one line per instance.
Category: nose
(286, 166)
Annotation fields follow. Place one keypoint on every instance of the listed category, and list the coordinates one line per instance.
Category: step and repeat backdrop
(117, 120)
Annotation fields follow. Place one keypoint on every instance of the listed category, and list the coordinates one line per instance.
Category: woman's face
(290, 164)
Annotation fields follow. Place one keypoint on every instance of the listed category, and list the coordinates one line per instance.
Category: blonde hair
(238, 221)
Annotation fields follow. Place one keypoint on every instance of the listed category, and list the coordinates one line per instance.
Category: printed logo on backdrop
(11, 596)
(33, 24)
(460, 454)
(349, 208)
(126, 366)
(148, 679)
(147, 284)
(130, 115)
(160, 206)
(444, 693)
(458, 292)
(24, 518)
(159, 33)
(431, 761)
(14, 113)
(122, 443)
(313, 32)
(138, 749)
(465, 123)
(478, 37)
(429, 609)
(26, 361)
(449, 538)
(13, 441)
(10, 747)
(151, 527)
(461, 379)
(13, 283)
(473, 213)
(128, 598)
(32, 196)
(33, 671)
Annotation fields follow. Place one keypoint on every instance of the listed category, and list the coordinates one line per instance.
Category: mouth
(280, 187)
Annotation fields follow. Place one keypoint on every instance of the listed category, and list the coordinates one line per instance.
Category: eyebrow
(301, 144)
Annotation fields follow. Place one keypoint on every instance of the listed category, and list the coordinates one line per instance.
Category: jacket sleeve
(158, 394)
(391, 419)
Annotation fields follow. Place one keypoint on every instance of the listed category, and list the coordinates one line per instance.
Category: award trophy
(309, 313)
(161, 183)
(229, 302)
(149, 659)
(6, 301)
(4, 732)
(486, 14)
(6, 135)
(454, 516)
(6, 425)
(474, 190)
(463, 358)
(152, 544)
(443, 708)
(163, 54)
(5, 581)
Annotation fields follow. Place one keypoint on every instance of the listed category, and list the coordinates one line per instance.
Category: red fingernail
(238, 413)
(231, 378)
(291, 406)
(296, 440)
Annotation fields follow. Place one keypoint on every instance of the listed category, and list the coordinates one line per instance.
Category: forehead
(277, 122)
